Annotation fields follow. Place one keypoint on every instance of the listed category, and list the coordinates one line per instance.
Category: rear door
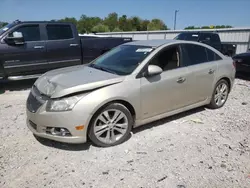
(27, 58)
(202, 66)
(63, 46)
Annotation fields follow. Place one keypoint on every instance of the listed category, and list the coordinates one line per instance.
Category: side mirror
(154, 70)
(16, 38)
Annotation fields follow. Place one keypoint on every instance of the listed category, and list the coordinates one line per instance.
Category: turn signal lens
(80, 127)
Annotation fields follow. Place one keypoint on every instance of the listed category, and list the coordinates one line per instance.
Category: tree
(117, 29)
(2, 24)
(144, 25)
(111, 20)
(85, 23)
(67, 19)
(156, 24)
(209, 27)
(136, 23)
(100, 28)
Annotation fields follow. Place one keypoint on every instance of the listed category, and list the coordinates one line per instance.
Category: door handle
(72, 45)
(211, 71)
(181, 80)
(38, 47)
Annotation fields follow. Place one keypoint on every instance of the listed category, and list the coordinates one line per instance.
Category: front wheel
(111, 126)
(220, 94)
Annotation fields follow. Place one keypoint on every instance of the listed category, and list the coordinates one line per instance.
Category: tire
(106, 130)
(214, 103)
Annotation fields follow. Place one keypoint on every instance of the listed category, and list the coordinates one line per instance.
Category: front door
(27, 58)
(165, 92)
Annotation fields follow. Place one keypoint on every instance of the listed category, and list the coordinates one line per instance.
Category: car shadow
(243, 76)
(63, 146)
(168, 119)
(15, 85)
(86, 146)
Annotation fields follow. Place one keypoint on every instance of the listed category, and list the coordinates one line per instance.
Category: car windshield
(122, 60)
(188, 36)
(5, 28)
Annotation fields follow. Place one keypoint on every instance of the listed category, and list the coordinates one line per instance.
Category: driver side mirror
(153, 70)
(16, 38)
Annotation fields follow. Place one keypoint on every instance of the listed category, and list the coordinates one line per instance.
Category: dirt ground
(199, 148)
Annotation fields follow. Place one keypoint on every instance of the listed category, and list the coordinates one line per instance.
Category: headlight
(64, 104)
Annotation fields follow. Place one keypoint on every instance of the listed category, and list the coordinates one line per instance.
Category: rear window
(59, 32)
(188, 36)
(195, 54)
(212, 56)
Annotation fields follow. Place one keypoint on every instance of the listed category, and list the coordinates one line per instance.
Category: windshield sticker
(5, 29)
(144, 50)
(194, 35)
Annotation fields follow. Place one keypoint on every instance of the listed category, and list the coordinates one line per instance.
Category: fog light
(58, 131)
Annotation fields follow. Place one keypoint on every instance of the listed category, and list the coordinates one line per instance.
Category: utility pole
(175, 14)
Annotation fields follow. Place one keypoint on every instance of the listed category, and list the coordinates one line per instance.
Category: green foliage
(156, 24)
(117, 29)
(2, 24)
(115, 23)
(209, 27)
(100, 28)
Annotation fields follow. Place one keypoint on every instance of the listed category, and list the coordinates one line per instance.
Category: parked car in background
(242, 62)
(29, 49)
(209, 38)
(131, 85)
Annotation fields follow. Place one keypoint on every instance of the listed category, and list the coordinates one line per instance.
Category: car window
(215, 38)
(59, 32)
(30, 32)
(167, 59)
(205, 37)
(188, 36)
(195, 54)
(212, 56)
(122, 60)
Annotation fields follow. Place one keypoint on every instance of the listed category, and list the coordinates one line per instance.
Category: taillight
(234, 64)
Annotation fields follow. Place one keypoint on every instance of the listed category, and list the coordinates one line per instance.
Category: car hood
(61, 82)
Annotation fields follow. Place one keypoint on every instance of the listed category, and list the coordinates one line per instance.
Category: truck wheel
(111, 125)
(220, 94)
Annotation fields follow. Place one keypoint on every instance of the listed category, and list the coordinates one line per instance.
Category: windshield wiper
(102, 68)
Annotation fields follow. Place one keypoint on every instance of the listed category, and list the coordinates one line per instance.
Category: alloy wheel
(110, 126)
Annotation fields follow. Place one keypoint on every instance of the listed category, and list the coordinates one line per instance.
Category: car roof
(155, 43)
(151, 43)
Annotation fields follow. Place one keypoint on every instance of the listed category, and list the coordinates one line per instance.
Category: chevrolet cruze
(131, 85)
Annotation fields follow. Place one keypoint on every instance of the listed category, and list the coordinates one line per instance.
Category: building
(237, 36)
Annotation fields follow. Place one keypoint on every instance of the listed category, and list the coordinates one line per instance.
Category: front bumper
(39, 121)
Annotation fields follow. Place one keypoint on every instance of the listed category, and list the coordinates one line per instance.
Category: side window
(195, 54)
(205, 37)
(59, 32)
(215, 38)
(212, 56)
(167, 59)
(30, 32)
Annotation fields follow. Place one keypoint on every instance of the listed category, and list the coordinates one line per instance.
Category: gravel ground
(199, 148)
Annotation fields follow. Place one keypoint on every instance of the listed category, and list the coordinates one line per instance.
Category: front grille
(35, 100)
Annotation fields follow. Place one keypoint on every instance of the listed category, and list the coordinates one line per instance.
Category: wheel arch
(127, 104)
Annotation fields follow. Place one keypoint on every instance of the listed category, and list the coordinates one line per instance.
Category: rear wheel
(111, 125)
(220, 94)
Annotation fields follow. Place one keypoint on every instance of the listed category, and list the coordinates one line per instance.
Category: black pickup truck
(209, 38)
(29, 49)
